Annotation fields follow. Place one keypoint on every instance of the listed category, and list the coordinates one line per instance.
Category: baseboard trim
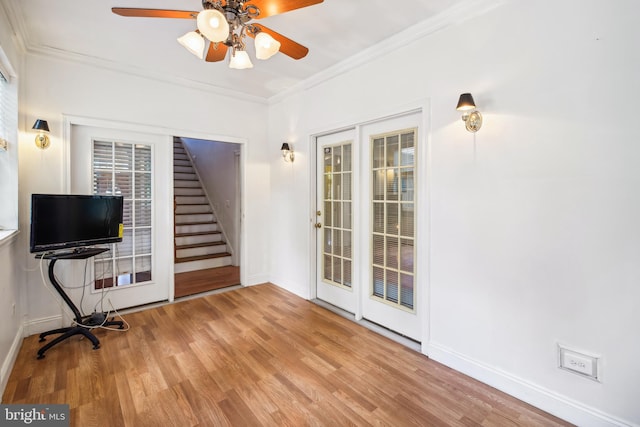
(540, 397)
(257, 279)
(10, 360)
(43, 324)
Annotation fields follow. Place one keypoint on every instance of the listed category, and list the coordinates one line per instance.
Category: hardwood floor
(249, 357)
(195, 282)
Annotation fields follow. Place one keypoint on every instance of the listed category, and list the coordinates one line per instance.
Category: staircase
(199, 243)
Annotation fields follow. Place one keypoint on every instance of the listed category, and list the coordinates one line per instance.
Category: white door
(369, 183)
(334, 220)
(391, 288)
(137, 166)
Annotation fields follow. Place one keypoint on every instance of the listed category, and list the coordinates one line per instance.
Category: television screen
(60, 221)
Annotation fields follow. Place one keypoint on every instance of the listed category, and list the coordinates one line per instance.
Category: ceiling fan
(225, 23)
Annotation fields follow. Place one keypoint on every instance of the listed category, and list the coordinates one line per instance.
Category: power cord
(73, 321)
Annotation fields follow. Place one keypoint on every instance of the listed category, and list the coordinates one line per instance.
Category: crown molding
(94, 61)
(453, 16)
(28, 47)
(17, 24)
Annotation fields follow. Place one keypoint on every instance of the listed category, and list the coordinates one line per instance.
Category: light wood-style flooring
(250, 357)
(210, 279)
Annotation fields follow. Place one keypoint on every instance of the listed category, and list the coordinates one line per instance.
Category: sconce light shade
(287, 152)
(466, 102)
(471, 117)
(42, 139)
(41, 125)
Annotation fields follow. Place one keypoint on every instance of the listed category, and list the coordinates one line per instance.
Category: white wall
(534, 220)
(55, 87)
(11, 272)
(216, 166)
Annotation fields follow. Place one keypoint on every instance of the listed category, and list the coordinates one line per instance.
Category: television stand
(87, 322)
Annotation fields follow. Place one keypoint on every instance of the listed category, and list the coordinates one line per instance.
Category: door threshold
(380, 330)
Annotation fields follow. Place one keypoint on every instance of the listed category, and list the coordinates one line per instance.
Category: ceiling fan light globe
(213, 25)
(194, 43)
(266, 46)
(240, 60)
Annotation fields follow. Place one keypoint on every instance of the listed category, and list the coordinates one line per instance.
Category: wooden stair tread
(203, 257)
(200, 233)
(200, 245)
(196, 223)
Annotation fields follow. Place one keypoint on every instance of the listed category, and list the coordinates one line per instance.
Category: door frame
(72, 120)
(423, 203)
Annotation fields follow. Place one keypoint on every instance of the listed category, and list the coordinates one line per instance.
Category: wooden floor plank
(195, 282)
(254, 356)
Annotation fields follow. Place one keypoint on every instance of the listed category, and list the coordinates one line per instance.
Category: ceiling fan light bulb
(194, 43)
(213, 25)
(266, 46)
(240, 60)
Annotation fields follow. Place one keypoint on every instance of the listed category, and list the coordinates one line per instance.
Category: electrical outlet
(578, 363)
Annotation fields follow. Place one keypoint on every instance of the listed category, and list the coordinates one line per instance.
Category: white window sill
(8, 236)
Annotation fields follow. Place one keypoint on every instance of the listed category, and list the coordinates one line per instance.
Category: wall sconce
(471, 117)
(287, 152)
(42, 139)
(3, 144)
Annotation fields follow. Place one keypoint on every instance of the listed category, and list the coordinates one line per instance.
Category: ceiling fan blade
(287, 46)
(275, 7)
(154, 13)
(216, 53)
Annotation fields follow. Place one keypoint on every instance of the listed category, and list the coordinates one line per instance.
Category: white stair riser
(191, 200)
(183, 267)
(188, 176)
(179, 184)
(182, 169)
(206, 250)
(194, 191)
(183, 219)
(193, 209)
(200, 228)
(194, 240)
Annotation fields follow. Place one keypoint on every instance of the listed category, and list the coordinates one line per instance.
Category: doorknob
(318, 225)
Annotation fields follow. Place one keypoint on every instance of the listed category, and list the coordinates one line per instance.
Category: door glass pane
(124, 169)
(393, 225)
(337, 214)
(378, 185)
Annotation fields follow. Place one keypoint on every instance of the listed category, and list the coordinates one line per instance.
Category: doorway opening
(207, 215)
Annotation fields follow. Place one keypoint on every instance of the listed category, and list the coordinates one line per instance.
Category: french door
(132, 165)
(366, 261)
(334, 220)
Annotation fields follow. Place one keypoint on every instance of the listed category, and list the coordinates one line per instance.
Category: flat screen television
(62, 221)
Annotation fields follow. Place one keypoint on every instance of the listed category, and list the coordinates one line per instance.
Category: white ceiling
(333, 31)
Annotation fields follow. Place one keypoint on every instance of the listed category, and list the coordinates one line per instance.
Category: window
(124, 169)
(8, 136)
